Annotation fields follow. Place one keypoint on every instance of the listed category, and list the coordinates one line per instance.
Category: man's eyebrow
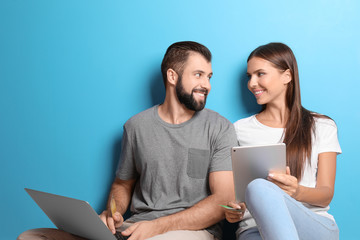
(198, 71)
(201, 71)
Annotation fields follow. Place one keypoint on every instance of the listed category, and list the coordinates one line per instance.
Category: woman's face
(267, 83)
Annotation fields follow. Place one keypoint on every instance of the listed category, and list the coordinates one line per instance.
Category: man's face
(193, 85)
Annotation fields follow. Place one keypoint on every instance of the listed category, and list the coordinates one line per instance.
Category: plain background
(73, 71)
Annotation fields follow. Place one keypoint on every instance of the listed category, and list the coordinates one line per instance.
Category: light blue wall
(72, 72)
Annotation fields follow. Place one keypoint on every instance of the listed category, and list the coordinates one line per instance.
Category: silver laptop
(251, 162)
(72, 215)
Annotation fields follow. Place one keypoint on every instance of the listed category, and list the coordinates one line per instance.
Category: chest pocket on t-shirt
(198, 163)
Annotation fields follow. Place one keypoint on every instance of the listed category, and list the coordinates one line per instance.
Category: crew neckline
(161, 121)
(263, 125)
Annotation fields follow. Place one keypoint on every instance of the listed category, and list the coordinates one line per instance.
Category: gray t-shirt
(172, 162)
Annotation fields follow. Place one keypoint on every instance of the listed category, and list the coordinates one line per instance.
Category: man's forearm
(121, 190)
(202, 215)
(206, 212)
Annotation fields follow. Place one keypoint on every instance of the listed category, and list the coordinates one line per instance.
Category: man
(175, 166)
(175, 157)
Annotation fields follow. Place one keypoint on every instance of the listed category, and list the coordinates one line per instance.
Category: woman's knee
(260, 188)
(256, 186)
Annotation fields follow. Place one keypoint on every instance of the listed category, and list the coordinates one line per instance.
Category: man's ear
(287, 76)
(172, 76)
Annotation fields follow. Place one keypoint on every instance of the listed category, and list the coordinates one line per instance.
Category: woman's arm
(323, 192)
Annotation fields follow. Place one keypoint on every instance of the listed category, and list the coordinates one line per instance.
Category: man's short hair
(177, 54)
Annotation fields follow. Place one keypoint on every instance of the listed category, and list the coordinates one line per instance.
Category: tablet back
(251, 162)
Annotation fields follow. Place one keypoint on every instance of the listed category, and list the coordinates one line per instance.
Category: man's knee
(32, 234)
(184, 234)
(45, 233)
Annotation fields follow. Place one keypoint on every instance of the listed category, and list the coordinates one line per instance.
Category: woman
(292, 205)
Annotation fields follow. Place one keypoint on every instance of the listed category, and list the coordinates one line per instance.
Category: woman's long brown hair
(300, 123)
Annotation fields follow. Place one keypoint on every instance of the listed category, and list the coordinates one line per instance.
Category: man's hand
(112, 221)
(236, 214)
(119, 199)
(144, 230)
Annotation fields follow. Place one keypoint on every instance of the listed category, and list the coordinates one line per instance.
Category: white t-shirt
(250, 131)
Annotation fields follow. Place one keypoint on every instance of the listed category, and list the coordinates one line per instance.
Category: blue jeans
(279, 216)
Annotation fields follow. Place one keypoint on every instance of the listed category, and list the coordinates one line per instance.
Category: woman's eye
(260, 74)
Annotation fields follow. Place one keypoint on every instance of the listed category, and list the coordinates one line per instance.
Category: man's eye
(197, 75)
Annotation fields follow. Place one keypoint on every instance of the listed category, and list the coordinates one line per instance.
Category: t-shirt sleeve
(126, 168)
(226, 139)
(328, 137)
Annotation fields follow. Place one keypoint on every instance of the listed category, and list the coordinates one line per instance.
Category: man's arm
(203, 214)
(121, 190)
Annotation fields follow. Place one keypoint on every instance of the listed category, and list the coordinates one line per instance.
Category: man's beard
(188, 99)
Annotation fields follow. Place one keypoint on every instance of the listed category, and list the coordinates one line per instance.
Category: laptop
(251, 162)
(72, 215)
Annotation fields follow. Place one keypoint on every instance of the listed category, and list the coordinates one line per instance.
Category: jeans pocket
(198, 163)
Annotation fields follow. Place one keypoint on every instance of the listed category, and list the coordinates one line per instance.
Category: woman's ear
(172, 76)
(287, 76)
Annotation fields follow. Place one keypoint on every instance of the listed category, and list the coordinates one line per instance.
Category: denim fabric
(279, 216)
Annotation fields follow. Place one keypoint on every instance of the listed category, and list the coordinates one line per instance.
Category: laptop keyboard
(119, 236)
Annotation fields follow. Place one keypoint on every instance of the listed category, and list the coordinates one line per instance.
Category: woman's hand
(286, 182)
(236, 214)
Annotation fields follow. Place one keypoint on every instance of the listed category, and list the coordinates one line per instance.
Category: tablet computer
(251, 162)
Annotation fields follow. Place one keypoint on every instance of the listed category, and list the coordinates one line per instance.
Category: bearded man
(175, 166)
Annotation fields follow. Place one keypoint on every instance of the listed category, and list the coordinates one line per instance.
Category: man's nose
(205, 83)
